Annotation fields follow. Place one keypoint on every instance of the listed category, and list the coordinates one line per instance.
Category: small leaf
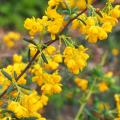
(81, 21)
(44, 58)
(6, 75)
(89, 12)
(15, 75)
(90, 114)
(29, 41)
(74, 10)
(25, 87)
(29, 55)
(10, 89)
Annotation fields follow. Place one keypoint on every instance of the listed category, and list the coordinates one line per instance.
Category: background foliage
(14, 12)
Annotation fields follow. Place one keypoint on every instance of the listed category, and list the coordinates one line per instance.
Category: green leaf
(89, 12)
(81, 21)
(29, 55)
(25, 87)
(6, 75)
(10, 89)
(90, 114)
(15, 75)
(44, 58)
(29, 41)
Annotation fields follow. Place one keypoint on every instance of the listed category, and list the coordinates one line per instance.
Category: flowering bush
(20, 98)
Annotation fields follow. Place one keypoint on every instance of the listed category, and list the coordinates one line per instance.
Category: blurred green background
(14, 12)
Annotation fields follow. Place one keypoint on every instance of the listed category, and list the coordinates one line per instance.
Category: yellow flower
(82, 3)
(115, 12)
(109, 74)
(17, 58)
(75, 58)
(50, 50)
(47, 88)
(115, 52)
(107, 26)
(28, 105)
(57, 88)
(19, 110)
(111, 1)
(33, 49)
(33, 25)
(103, 87)
(107, 18)
(82, 83)
(55, 23)
(57, 58)
(51, 65)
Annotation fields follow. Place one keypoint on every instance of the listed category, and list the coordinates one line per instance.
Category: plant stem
(84, 104)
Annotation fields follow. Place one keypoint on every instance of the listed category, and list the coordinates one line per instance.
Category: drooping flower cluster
(75, 58)
(51, 23)
(50, 83)
(99, 24)
(28, 105)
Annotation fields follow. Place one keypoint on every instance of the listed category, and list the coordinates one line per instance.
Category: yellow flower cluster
(50, 83)
(82, 83)
(33, 25)
(17, 67)
(28, 105)
(53, 58)
(117, 99)
(51, 23)
(75, 58)
(97, 26)
(55, 22)
(10, 38)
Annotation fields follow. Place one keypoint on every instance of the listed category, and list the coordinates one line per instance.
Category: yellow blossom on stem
(103, 87)
(75, 58)
(82, 83)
